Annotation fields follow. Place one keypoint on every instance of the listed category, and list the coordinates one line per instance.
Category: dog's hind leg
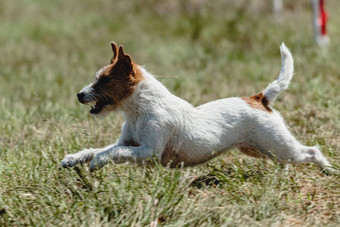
(314, 155)
(289, 154)
(305, 154)
(275, 139)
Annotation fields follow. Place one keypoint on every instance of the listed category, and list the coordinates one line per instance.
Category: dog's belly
(174, 157)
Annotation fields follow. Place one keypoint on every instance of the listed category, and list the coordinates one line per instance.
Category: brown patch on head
(258, 102)
(118, 80)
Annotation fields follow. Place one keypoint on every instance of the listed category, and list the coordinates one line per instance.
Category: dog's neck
(148, 94)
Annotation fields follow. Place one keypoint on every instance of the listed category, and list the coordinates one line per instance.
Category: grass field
(201, 50)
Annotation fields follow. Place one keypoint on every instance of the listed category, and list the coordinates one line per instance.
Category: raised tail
(274, 89)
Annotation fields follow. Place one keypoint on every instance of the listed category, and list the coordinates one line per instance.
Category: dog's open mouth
(99, 106)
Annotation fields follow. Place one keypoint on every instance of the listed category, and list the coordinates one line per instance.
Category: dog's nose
(81, 97)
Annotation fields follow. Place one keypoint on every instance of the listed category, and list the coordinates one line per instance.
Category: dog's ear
(114, 50)
(123, 64)
(123, 58)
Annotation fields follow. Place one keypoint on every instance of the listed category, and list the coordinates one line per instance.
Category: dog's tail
(274, 89)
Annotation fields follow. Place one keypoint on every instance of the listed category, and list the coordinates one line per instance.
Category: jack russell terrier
(161, 126)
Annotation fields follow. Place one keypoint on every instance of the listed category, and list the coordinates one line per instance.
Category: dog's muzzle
(99, 104)
(81, 97)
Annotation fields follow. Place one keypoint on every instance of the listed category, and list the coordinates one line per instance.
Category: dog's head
(113, 84)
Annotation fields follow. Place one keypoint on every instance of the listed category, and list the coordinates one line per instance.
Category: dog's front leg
(83, 156)
(87, 155)
(122, 154)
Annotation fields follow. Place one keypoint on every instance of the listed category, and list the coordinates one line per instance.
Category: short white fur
(159, 125)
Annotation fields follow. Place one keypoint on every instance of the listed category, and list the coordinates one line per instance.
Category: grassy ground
(201, 51)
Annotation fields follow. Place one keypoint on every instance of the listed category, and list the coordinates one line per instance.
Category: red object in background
(323, 18)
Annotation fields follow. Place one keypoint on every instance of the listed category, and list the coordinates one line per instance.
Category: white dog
(159, 125)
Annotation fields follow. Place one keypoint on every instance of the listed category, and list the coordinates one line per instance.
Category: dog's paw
(98, 162)
(330, 171)
(69, 161)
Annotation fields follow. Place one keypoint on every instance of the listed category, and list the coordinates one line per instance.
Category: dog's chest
(137, 133)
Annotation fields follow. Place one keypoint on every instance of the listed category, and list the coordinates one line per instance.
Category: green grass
(201, 51)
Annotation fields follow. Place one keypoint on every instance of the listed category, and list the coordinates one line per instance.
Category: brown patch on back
(119, 79)
(258, 102)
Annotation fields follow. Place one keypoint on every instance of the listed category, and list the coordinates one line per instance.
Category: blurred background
(63, 43)
(201, 50)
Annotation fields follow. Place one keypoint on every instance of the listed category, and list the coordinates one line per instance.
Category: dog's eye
(104, 79)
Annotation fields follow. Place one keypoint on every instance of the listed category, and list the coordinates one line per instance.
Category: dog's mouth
(98, 106)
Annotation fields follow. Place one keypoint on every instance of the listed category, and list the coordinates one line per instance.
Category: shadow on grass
(219, 178)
